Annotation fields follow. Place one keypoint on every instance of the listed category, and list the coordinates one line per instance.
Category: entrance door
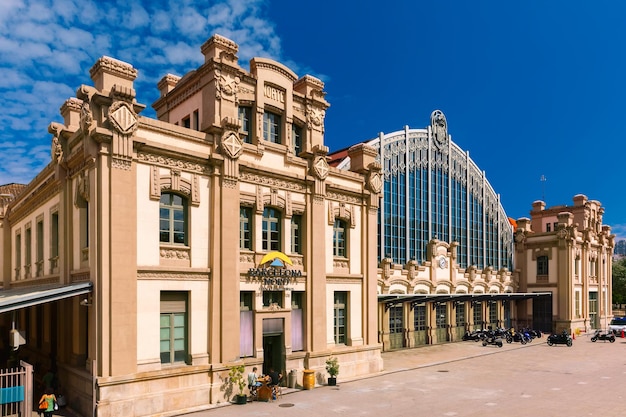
(273, 346)
(593, 310)
(396, 327)
(542, 314)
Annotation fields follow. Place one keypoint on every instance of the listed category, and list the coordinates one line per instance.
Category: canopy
(16, 298)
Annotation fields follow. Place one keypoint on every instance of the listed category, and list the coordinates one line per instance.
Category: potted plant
(236, 377)
(332, 367)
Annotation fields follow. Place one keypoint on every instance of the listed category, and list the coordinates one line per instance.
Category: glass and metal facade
(433, 190)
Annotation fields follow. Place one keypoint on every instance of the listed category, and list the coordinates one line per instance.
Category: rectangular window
(419, 317)
(84, 225)
(460, 314)
(39, 254)
(246, 324)
(28, 253)
(173, 344)
(339, 239)
(493, 311)
(186, 122)
(173, 219)
(296, 234)
(442, 315)
(245, 120)
(548, 227)
(478, 314)
(340, 316)
(245, 228)
(273, 299)
(577, 304)
(396, 324)
(542, 265)
(296, 134)
(196, 120)
(297, 321)
(271, 127)
(18, 255)
(54, 235)
(271, 230)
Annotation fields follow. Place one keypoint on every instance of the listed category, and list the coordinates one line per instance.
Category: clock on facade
(443, 262)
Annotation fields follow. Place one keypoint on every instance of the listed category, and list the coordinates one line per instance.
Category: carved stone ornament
(56, 150)
(562, 233)
(520, 237)
(315, 116)
(232, 145)
(86, 119)
(439, 127)
(375, 182)
(123, 117)
(320, 167)
(226, 85)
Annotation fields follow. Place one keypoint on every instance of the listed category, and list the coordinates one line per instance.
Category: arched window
(271, 229)
(173, 219)
(340, 238)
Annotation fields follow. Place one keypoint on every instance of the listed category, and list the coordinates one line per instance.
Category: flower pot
(241, 399)
(332, 381)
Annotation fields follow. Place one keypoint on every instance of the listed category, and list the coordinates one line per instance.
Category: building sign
(274, 93)
(273, 274)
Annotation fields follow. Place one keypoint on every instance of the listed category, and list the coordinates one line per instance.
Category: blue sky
(529, 88)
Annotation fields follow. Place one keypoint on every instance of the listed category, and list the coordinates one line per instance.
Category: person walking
(49, 400)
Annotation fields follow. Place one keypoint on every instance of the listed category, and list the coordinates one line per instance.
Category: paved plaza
(467, 379)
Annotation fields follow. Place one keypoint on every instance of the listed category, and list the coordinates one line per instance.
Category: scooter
(492, 339)
(563, 338)
(476, 335)
(598, 335)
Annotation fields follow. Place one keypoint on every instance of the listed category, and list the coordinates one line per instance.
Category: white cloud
(48, 47)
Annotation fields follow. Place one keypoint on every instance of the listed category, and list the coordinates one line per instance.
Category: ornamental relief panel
(174, 163)
(174, 182)
(345, 198)
(341, 211)
(271, 181)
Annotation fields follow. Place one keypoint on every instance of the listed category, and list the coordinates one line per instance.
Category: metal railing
(16, 390)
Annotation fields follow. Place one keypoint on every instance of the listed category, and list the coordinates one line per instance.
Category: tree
(619, 281)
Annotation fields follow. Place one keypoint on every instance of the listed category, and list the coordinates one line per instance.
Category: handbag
(56, 406)
(43, 404)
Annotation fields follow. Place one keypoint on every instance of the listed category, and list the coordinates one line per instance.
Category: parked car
(617, 325)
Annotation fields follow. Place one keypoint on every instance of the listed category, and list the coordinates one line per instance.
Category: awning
(391, 299)
(17, 298)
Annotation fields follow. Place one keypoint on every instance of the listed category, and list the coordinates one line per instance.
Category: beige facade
(567, 251)
(172, 222)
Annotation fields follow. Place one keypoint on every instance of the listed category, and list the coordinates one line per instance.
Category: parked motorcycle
(513, 336)
(476, 335)
(563, 338)
(599, 335)
(492, 338)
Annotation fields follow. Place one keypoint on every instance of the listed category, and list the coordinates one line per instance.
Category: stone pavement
(467, 379)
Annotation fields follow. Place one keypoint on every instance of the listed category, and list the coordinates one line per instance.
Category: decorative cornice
(115, 66)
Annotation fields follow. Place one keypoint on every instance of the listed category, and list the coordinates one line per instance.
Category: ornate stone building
(166, 250)
(568, 252)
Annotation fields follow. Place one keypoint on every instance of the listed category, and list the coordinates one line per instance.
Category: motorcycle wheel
(593, 339)
(550, 342)
(499, 344)
(612, 339)
(523, 341)
(569, 342)
(484, 343)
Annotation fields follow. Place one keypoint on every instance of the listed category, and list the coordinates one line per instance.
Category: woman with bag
(48, 403)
